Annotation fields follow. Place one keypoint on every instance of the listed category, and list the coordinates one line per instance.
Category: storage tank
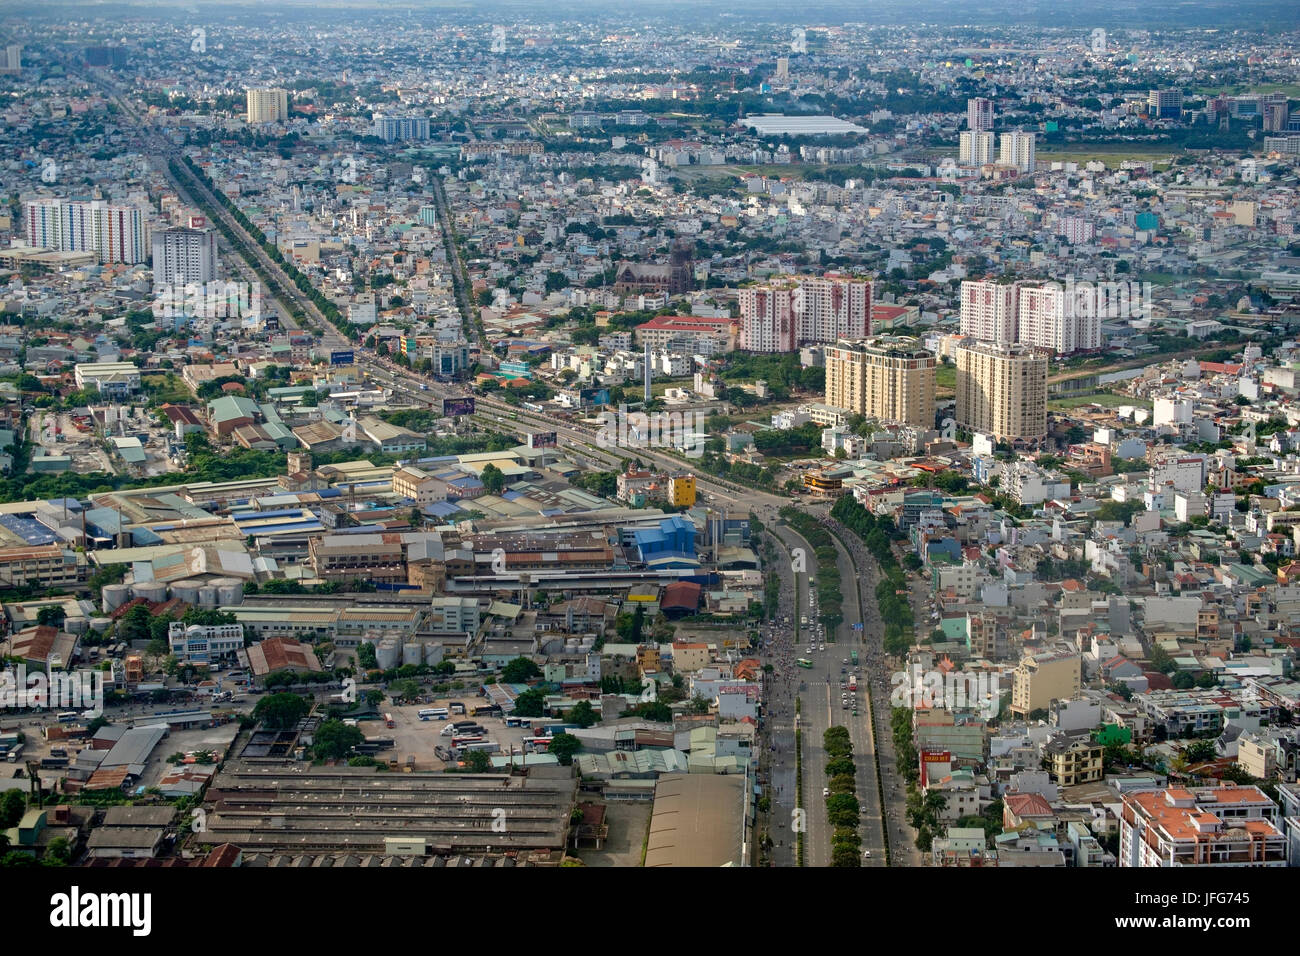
(230, 591)
(113, 596)
(187, 591)
(100, 625)
(387, 652)
(413, 653)
(154, 591)
(208, 596)
(75, 625)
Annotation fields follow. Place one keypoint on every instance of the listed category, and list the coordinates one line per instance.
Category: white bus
(67, 717)
(433, 713)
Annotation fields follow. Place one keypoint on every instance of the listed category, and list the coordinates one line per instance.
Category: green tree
(280, 711)
(1160, 660)
(478, 761)
(582, 714)
(493, 478)
(12, 805)
(531, 703)
(519, 671)
(366, 656)
(334, 740)
(564, 746)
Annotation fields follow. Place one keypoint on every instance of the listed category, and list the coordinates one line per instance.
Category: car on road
(826, 791)
(821, 647)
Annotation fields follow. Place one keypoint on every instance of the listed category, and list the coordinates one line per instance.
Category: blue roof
(283, 513)
(443, 509)
(29, 529)
(512, 495)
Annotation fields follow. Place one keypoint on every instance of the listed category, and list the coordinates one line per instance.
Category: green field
(945, 376)
(1105, 399)
(1111, 157)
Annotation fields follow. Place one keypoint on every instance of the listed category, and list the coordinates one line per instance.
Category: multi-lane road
(818, 689)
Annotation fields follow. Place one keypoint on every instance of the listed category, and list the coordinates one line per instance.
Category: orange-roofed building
(1202, 826)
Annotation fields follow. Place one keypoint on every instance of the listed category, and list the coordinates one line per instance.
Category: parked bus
(805, 663)
(433, 713)
(388, 721)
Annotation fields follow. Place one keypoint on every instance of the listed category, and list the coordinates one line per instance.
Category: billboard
(593, 396)
(341, 357)
(542, 440)
(452, 407)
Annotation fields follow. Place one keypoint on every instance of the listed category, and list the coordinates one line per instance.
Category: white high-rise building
(767, 322)
(267, 106)
(778, 318)
(833, 308)
(184, 256)
(11, 59)
(400, 128)
(979, 114)
(115, 233)
(988, 311)
(976, 148)
(1061, 319)
(1016, 149)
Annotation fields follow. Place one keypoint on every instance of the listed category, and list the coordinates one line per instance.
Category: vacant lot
(627, 823)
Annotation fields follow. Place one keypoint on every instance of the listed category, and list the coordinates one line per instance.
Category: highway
(819, 692)
(817, 688)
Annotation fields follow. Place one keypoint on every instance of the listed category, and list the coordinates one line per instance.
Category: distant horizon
(1251, 16)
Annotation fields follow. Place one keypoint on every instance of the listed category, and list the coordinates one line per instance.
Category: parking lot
(415, 737)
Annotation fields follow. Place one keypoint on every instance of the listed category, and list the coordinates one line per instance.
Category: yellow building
(681, 491)
(1073, 762)
(887, 378)
(1002, 390)
(1043, 678)
(267, 106)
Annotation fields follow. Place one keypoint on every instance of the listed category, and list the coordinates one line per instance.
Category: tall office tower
(1277, 117)
(976, 148)
(767, 322)
(1059, 319)
(1165, 104)
(400, 128)
(1002, 390)
(888, 378)
(183, 256)
(979, 115)
(115, 233)
(1017, 149)
(782, 68)
(830, 308)
(267, 106)
(988, 311)
(110, 56)
(11, 59)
